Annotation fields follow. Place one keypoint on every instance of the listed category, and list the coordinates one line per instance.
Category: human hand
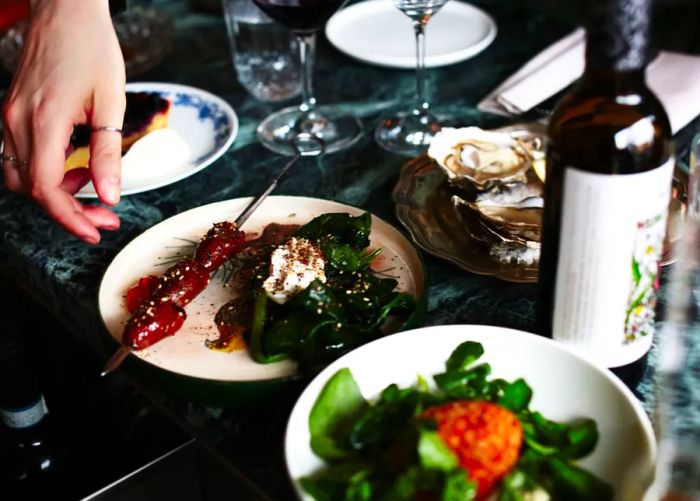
(71, 71)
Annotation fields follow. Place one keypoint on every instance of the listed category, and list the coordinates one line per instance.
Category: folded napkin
(674, 78)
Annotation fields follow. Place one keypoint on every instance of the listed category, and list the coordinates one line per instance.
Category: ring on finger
(107, 128)
(13, 160)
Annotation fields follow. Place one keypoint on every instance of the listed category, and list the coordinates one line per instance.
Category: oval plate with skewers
(199, 349)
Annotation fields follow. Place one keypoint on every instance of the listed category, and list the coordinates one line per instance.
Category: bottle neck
(608, 81)
(617, 35)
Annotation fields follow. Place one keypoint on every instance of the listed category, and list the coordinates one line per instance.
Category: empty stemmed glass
(305, 18)
(410, 133)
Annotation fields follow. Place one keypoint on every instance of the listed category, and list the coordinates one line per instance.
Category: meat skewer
(162, 314)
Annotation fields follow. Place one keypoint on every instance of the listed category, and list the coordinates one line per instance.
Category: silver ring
(107, 128)
(13, 160)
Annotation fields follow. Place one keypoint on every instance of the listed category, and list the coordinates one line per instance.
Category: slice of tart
(145, 112)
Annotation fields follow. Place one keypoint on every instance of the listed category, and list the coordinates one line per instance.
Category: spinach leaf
(582, 438)
(549, 438)
(318, 299)
(336, 408)
(347, 481)
(469, 384)
(464, 355)
(433, 453)
(257, 329)
(347, 258)
(458, 487)
(343, 227)
(379, 424)
(412, 481)
(576, 484)
(516, 396)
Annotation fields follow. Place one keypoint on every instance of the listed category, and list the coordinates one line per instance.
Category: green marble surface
(64, 273)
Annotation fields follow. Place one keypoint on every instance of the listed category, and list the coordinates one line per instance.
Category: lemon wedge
(539, 166)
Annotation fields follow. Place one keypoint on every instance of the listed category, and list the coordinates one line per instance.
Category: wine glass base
(407, 133)
(337, 131)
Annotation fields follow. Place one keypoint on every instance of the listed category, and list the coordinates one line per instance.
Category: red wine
(300, 15)
(609, 169)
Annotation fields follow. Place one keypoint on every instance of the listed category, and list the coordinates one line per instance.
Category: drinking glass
(409, 133)
(264, 53)
(678, 366)
(305, 18)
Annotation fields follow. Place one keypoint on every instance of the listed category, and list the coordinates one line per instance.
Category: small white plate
(185, 352)
(565, 387)
(376, 32)
(206, 123)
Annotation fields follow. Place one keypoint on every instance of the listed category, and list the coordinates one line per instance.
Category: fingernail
(111, 227)
(110, 190)
(91, 239)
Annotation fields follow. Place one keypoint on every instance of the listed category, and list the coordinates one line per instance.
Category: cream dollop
(293, 266)
(157, 153)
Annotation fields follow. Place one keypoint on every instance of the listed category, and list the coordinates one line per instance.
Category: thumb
(106, 145)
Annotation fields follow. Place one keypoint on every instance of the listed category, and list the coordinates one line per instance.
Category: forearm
(108, 5)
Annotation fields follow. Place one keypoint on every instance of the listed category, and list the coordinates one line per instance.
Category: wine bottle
(24, 414)
(607, 190)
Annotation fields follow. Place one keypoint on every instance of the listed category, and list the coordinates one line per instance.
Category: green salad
(311, 294)
(471, 438)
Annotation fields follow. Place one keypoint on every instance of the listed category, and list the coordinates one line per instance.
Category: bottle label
(611, 244)
(26, 417)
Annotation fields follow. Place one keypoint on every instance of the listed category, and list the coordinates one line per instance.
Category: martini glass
(337, 130)
(409, 133)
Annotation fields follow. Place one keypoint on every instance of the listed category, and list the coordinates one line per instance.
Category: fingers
(50, 133)
(100, 217)
(106, 145)
(75, 179)
(10, 169)
(15, 173)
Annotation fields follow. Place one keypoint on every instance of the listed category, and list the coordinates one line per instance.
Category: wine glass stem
(307, 44)
(421, 106)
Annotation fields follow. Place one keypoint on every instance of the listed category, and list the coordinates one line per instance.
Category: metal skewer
(305, 145)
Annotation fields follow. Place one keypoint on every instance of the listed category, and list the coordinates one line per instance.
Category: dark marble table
(63, 273)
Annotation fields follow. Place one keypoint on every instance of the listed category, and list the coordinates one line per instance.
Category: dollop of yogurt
(156, 154)
(293, 266)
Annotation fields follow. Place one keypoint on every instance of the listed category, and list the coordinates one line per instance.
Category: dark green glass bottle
(609, 171)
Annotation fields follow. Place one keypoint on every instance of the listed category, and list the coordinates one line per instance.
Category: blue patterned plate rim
(210, 109)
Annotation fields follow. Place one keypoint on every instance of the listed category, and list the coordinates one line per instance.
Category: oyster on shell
(520, 222)
(475, 158)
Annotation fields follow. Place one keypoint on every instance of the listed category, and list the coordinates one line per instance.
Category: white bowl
(565, 386)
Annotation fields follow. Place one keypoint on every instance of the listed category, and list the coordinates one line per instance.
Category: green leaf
(448, 381)
(458, 487)
(576, 484)
(255, 346)
(516, 396)
(582, 439)
(319, 300)
(336, 408)
(347, 258)
(337, 482)
(377, 427)
(433, 453)
(636, 273)
(464, 355)
(550, 438)
(343, 227)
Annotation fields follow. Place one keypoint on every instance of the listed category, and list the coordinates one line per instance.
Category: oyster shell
(504, 245)
(482, 159)
(520, 222)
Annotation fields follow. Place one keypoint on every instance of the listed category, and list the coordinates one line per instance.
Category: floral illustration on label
(646, 260)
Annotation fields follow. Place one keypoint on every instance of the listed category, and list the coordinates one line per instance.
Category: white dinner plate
(565, 387)
(206, 123)
(185, 353)
(378, 33)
